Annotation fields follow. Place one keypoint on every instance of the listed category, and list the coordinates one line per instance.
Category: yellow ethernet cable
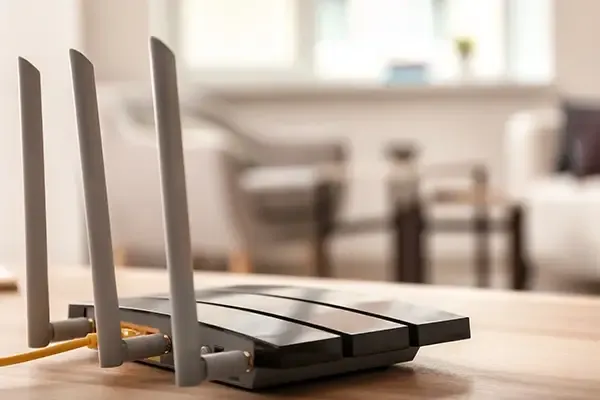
(90, 341)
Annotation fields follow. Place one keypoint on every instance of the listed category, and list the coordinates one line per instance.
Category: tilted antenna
(40, 331)
(113, 350)
(106, 304)
(189, 369)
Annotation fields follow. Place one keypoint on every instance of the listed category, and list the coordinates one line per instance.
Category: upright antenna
(106, 304)
(189, 368)
(39, 330)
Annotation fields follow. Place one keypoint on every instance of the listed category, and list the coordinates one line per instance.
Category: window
(361, 39)
(531, 40)
(482, 21)
(238, 33)
(375, 33)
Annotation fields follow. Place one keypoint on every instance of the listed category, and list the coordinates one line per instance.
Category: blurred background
(299, 116)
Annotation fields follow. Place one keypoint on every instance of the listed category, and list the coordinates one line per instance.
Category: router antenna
(39, 330)
(106, 304)
(189, 366)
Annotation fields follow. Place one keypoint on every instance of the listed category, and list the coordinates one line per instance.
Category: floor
(460, 273)
(443, 272)
(373, 265)
(454, 272)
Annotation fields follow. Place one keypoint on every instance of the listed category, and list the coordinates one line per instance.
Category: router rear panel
(211, 337)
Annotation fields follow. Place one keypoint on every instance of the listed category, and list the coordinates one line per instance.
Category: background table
(412, 226)
(524, 346)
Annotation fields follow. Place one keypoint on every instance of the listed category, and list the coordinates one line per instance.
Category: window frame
(164, 17)
(307, 35)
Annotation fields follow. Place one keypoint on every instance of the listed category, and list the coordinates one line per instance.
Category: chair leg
(240, 262)
(323, 227)
(519, 265)
(8, 281)
(120, 257)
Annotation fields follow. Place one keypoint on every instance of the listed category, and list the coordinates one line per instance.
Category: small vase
(465, 69)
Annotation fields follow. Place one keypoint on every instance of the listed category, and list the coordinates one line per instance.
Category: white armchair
(247, 195)
(563, 213)
(132, 173)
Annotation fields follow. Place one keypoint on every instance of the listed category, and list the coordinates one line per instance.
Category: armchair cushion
(276, 179)
(562, 223)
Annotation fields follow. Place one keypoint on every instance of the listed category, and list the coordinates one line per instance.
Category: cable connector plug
(146, 346)
(227, 364)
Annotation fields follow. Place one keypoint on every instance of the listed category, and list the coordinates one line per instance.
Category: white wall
(115, 37)
(577, 57)
(41, 31)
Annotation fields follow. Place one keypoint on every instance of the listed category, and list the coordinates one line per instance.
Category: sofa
(563, 210)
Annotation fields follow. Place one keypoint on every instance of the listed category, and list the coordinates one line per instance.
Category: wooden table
(412, 225)
(524, 346)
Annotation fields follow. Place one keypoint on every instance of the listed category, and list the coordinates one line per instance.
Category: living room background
(114, 34)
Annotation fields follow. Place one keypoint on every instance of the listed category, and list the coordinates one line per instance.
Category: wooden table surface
(524, 346)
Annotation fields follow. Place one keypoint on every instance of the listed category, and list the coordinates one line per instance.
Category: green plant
(465, 46)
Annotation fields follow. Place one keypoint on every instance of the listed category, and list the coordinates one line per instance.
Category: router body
(298, 333)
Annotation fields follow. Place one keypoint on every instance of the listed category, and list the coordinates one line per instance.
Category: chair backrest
(199, 108)
(132, 177)
(240, 150)
(219, 112)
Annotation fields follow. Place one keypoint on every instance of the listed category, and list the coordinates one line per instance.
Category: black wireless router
(248, 336)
